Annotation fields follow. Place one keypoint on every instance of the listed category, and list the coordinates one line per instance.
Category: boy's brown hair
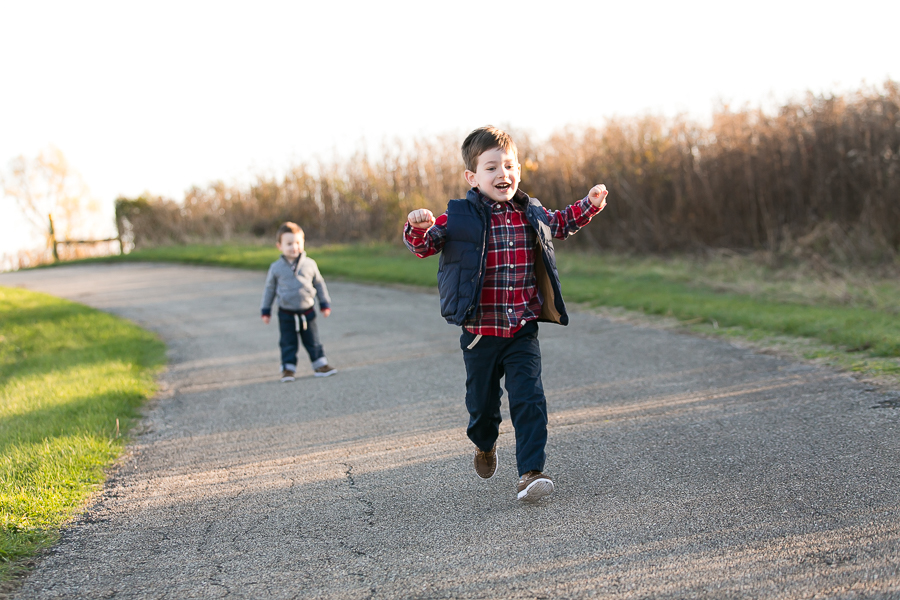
(483, 139)
(288, 227)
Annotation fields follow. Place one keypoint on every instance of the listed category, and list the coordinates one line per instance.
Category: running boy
(497, 278)
(295, 280)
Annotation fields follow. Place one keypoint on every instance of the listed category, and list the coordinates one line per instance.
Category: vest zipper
(486, 220)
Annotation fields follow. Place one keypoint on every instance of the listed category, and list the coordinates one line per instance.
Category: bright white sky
(158, 96)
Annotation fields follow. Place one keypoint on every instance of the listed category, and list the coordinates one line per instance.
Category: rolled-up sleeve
(426, 242)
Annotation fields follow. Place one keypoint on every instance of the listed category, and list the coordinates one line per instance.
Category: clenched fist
(597, 196)
(421, 218)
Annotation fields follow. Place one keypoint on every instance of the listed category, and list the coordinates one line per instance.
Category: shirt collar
(519, 201)
(294, 263)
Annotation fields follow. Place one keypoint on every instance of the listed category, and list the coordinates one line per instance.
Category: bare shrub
(820, 176)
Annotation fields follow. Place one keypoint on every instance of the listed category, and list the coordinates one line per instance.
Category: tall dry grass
(821, 175)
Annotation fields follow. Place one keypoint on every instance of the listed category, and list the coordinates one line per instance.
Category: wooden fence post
(119, 232)
(53, 239)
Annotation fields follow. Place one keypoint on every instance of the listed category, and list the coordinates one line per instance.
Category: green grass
(737, 296)
(378, 263)
(854, 328)
(67, 372)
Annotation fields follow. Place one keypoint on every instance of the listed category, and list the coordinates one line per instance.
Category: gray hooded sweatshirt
(295, 285)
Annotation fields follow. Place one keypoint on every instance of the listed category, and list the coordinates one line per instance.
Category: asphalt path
(685, 467)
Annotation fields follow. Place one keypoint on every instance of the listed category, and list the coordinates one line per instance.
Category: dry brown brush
(821, 175)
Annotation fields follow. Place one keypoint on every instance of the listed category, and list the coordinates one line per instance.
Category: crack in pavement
(369, 508)
(369, 512)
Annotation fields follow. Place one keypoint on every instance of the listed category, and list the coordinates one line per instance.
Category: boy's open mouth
(502, 186)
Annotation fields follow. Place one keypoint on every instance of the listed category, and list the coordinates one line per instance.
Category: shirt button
(510, 243)
(510, 288)
(508, 221)
(509, 310)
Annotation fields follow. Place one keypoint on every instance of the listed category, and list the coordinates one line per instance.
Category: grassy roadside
(847, 319)
(379, 263)
(68, 373)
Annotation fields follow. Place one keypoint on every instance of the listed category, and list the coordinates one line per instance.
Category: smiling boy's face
(291, 245)
(496, 175)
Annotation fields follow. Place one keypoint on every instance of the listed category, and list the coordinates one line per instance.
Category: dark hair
(483, 139)
(287, 227)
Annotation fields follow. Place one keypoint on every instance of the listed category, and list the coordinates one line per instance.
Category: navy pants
(519, 359)
(287, 324)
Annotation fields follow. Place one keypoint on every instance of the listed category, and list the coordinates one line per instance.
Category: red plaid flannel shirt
(509, 296)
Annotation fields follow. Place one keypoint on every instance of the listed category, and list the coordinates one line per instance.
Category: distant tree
(46, 187)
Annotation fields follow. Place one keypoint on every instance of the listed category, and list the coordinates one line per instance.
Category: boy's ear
(470, 178)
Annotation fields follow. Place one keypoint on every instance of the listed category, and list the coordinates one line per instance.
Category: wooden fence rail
(57, 243)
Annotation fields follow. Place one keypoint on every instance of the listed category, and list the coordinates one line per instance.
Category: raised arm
(564, 223)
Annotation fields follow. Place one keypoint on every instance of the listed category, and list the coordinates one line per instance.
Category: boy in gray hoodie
(295, 279)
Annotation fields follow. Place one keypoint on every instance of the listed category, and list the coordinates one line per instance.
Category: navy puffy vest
(463, 259)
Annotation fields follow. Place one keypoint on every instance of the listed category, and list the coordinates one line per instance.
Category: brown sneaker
(534, 485)
(325, 371)
(486, 462)
(287, 375)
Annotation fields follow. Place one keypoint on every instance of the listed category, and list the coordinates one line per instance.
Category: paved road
(685, 467)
